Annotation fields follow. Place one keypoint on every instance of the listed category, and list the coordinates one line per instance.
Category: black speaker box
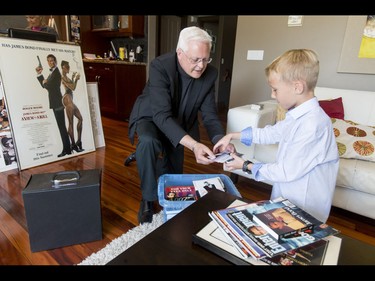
(63, 208)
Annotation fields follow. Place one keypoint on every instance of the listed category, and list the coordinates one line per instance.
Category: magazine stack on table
(234, 235)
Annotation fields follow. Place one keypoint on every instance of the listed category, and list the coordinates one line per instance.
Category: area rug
(120, 244)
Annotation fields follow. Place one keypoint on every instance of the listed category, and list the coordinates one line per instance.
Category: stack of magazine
(269, 232)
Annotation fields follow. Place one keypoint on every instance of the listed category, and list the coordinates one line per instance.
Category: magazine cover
(180, 193)
(286, 221)
(312, 254)
(239, 220)
(45, 90)
(245, 246)
(204, 186)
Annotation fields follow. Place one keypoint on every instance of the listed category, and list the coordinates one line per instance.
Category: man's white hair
(192, 33)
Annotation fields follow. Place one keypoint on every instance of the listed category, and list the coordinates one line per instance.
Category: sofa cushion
(280, 113)
(356, 175)
(265, 153)
(334, 107)
(354, 140)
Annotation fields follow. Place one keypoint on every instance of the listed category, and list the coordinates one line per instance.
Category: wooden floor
(120, 195)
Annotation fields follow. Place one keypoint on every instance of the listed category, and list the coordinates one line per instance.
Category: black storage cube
(63, 209)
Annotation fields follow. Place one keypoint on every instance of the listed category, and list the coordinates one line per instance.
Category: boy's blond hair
(296, 65)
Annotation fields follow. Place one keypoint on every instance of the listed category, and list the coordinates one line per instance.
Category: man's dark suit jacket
(160, 100)
(53, 87)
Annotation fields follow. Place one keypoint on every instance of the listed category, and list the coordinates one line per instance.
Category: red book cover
(180, 193)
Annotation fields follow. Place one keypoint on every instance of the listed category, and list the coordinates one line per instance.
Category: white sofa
(355, 186)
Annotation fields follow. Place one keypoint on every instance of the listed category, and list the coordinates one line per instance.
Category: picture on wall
(352, 58)
(47, 103)
(367, 48)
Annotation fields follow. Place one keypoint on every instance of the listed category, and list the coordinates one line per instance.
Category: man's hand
(203, 154)
(39, 69)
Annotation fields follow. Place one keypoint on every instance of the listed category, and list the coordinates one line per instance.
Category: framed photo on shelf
(73, 24)
(34, 91)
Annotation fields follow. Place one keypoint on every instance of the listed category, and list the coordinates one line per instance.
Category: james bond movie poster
(45, 89)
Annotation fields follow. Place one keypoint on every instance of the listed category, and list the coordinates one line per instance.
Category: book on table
(324, 251)
(285, 221)
(252, 240)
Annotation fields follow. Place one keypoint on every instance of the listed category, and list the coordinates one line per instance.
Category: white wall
(324, 34)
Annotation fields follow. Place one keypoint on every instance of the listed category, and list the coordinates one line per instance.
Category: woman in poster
(70, 108)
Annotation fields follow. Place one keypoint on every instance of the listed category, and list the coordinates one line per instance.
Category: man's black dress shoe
(146, 211)
(63, 153)
(129, 159)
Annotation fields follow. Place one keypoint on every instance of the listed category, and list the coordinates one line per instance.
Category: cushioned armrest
(243, 116)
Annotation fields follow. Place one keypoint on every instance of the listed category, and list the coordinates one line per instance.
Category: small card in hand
(223, 157)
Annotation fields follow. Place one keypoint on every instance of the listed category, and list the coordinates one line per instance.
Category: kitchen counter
(108, 61)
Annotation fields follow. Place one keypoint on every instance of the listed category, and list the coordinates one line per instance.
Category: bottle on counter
(131, 56)
(139, 54)
(122, 53)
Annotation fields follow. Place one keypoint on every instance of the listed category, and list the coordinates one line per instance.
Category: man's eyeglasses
(197, 60)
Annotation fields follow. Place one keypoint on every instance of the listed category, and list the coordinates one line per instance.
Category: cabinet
(119, 26)
(130, 81)
(104, 74)
(119, 85)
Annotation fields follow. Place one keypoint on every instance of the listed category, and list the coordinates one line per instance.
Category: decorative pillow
(354, 140)
(280, 113)
(334, 108)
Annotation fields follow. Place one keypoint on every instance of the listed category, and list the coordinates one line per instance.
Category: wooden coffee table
(171, 243)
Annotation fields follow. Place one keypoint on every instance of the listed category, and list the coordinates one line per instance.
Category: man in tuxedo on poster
(52, 85)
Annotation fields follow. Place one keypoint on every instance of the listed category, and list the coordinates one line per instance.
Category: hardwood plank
(18, 237)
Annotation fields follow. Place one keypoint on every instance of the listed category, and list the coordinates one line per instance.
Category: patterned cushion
(354, 140)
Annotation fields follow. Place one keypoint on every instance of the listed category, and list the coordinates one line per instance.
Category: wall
(324, 34)
(227, 30)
